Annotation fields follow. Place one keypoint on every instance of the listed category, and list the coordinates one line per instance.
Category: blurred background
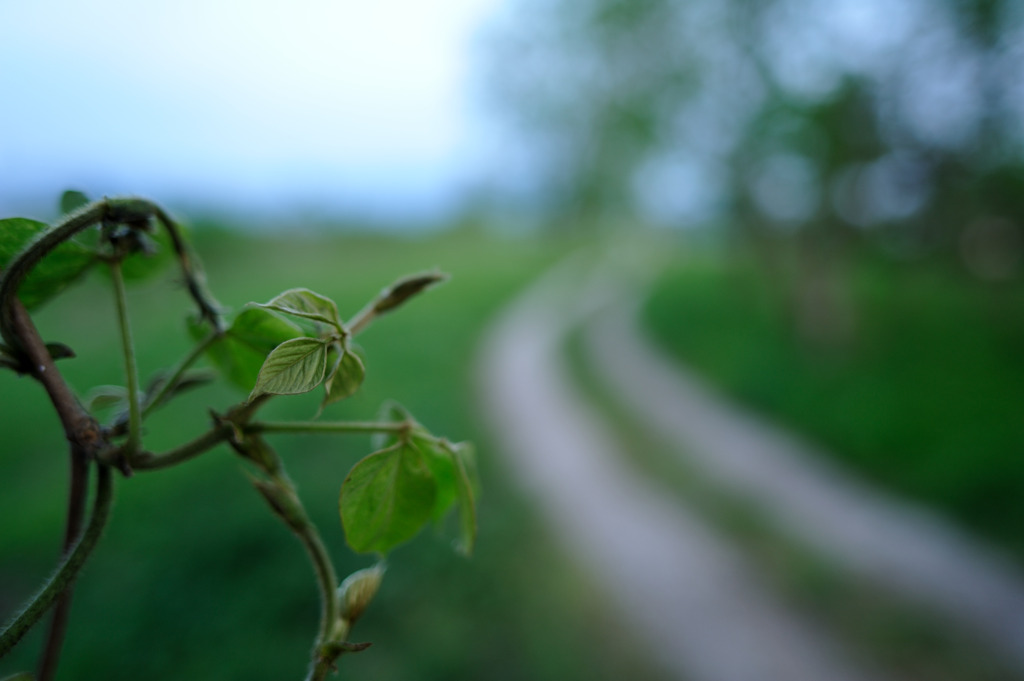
(834, 190)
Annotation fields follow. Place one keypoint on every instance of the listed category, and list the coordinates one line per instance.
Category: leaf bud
(358, 589)
(406, 288)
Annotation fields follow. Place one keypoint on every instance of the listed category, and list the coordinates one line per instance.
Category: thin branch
(222, 432)
(148, 461)
(209, 309)
(178, 371)
(79, 427)
(362, 319)
(279, 492)
(327, 656)
(131, 370)
(326, 578)
(68, 570)
(72, 528)
(85, 437)
(326, 427)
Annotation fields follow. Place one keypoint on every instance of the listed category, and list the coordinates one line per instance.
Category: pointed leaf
(10, 360)
(302, 302)
(345, 380)
(59, 268)
(72, 200)
(260, 330)
(405, 288)
(252, 336)
(15, 234)
(293, 367)
(358, 589)
(462, 454)
(443, 468)
(451, 465)
(60, 351)
(386, 499)
(338, 647)
(105, 397)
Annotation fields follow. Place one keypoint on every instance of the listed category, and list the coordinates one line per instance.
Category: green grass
(195, 579)
(924, 401)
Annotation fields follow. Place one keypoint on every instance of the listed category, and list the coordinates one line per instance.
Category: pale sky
(365, 107)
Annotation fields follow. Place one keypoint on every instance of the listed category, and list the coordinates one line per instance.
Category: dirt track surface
(907, 551)
(677, 584)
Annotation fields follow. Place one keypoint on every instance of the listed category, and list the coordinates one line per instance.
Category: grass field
(925, 400)
(195, 579)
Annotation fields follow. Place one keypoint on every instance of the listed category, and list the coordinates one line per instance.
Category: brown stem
(85, 437)
(194, 279)
(80, 428)
(226, 428)
(72, 528)
(148, 461)
(83, 433)
(280, 494)
(69, 568)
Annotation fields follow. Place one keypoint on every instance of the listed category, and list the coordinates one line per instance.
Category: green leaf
(302, 302)
(10, 360)
(451, 466)
(72, 200)
(405, 288)
(60, 351)
(262, 330)
(105, 397)
(253, 335)
(109, 402)
(346, 379)
(386, 499)
(293, 367)
(337, 647)
(443, 468)
(59, 268)
(462, 454)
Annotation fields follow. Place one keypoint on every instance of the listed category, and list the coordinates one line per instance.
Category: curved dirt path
(677, 584)
(906, 550)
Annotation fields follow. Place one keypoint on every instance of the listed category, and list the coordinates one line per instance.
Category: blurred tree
(807, 127)
(801, 114)
(577, 81)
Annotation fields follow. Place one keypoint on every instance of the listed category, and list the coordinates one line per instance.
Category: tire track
(903, 548)
(678, 585)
